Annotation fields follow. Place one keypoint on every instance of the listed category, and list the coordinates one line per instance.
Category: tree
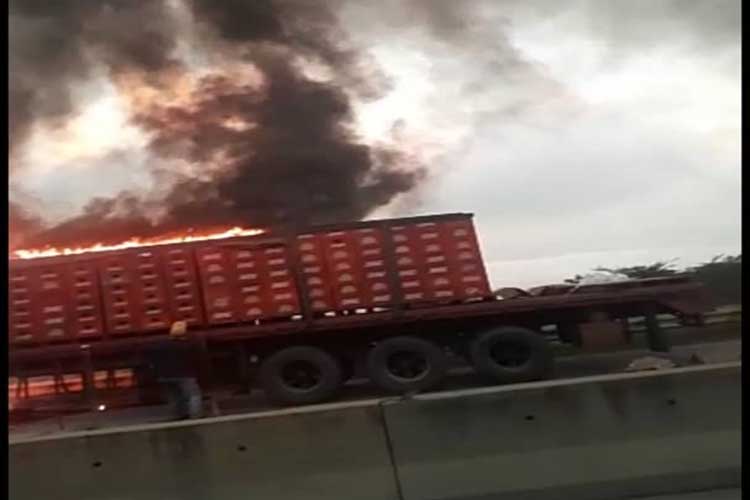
(722, 276)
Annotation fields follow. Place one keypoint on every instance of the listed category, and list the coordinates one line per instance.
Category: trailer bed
(679, 295)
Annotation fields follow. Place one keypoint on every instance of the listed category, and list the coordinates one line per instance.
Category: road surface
(571, 366)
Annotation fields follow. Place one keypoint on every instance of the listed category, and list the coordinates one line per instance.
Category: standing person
(174, 364)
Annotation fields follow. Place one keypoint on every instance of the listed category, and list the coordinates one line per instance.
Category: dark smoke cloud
(275, 149)
(111, 219)
(471, 54)
(297, 143)
(279, 147)
(21, 224)
(56, 46)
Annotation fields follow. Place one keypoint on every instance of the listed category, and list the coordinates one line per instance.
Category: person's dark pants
(184, 394)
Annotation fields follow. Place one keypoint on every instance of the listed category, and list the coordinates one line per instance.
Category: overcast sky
(580, 133)
(629, 151)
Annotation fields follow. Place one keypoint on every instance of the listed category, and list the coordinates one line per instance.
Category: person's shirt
(172, 358)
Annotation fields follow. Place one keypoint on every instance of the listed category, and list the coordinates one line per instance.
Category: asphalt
(718, 350)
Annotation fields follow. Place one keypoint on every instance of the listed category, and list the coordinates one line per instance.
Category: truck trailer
(298, 311)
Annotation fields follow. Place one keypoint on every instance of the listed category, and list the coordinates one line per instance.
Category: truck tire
(406, 364)
(511, 354)
(300, 375)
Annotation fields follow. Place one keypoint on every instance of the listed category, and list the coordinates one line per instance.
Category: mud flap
(602, 335)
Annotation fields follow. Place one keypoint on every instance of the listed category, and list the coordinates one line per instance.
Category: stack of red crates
(358, 267)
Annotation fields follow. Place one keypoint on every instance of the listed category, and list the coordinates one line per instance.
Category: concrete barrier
(604, 437)
(595, 438)
(336, 452)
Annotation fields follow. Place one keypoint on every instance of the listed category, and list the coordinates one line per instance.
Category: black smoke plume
(267, 140)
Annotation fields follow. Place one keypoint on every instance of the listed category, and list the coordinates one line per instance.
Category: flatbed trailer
(401, 346)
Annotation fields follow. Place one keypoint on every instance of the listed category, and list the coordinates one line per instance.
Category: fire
(134, 243)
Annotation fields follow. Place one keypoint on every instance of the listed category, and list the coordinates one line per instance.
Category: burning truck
(297, 312)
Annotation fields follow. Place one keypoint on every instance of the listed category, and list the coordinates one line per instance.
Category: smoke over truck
(298, 311)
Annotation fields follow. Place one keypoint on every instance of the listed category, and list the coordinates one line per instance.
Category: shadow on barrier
(601, 439)
(309, 455)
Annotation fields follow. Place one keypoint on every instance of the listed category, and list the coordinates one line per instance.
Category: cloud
(267, 139)
(575, 130)
(622, 143)
(650, 159)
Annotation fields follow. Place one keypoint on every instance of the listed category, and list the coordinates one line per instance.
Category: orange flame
(133, 243)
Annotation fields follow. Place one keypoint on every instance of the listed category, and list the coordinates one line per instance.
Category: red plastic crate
(345, 269)
(134, 292)
(182, 286)
(53, 302)
(88, 316)
(439, 261)
(246, 283)
(434, 261)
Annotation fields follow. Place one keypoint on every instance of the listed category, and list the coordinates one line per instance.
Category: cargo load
(269, 277)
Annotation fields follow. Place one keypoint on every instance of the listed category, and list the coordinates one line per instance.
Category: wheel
(511, 354)
(406, 364)
(300, 375)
